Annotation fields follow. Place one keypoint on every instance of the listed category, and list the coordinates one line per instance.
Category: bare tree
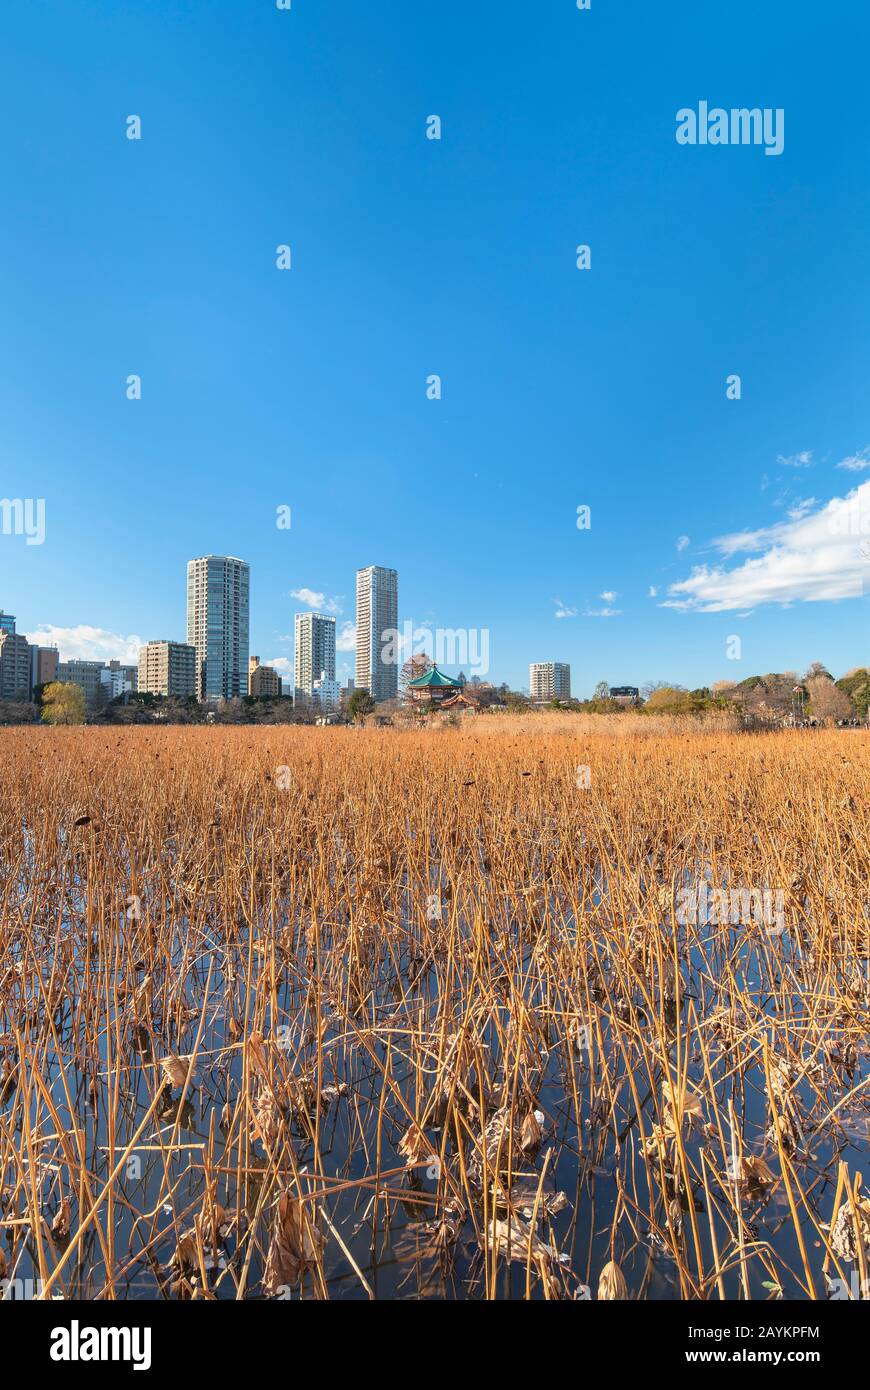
(827, 701)
(650, 687)
(817, 668)
(416, 666)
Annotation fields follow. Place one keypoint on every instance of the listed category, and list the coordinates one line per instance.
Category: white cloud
(681, 542)
(607, 612)
(814, 556)
(345, 638)
(281, 665)
(609, 595)
(801, 460)
(85, 643)
(855, 463)
(314, 599)
(653, 591)
(562, 611)
(801, 508)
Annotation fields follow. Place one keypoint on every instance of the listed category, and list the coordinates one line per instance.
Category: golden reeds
(427, 1013)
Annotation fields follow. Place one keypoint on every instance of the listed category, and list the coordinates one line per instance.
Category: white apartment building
(116, 680)
(550, 680)
(327, 692)
(315, 652)
(218, 622)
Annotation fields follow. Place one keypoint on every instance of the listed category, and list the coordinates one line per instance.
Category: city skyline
(559, 387)
(232, 666)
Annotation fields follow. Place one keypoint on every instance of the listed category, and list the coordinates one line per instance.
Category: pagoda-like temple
(434, 687)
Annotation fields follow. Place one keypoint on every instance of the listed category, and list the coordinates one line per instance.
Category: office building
(116, 680)
(87, 675)
(168, 668)
(315, 652)
(377, 614)
(218, 616)
(550, 680)
(625, 694)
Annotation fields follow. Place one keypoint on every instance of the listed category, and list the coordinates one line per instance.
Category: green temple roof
(434, 677)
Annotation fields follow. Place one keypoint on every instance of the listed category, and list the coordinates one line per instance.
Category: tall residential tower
(218, 615)
(377, 613)
(315, 652)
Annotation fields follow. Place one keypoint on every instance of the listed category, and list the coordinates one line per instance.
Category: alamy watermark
(23, 517)
(20, 1290)
(857, 1289)
(434, 907)
(77, 1343)
(741, 125)
(467, 647)
(735, 906)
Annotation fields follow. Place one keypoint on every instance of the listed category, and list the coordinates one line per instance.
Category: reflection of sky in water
(388, 1239)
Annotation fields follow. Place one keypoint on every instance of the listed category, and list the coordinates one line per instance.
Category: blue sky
(307, 388)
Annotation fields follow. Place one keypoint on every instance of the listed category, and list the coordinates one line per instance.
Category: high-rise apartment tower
(377, 614)
(315, 651)
(218, 618)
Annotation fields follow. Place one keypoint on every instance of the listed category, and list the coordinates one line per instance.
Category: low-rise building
(168, 668)
(264, 683)
(101, 681)
(327, 692)
(117, 679)
(433, 687)
(85, 674)
(625, 694)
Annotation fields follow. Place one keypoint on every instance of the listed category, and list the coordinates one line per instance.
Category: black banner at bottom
(225, 1338)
